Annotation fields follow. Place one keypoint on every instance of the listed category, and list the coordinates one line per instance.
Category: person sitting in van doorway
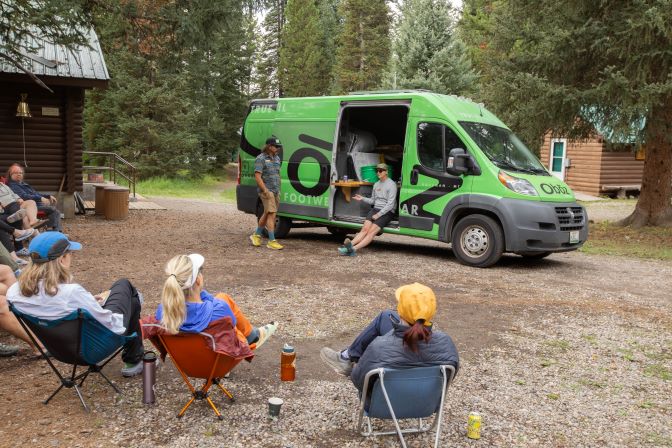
(383, 200)
(267, 175)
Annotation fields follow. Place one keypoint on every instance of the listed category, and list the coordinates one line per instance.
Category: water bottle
(288, 363)
(148, 377)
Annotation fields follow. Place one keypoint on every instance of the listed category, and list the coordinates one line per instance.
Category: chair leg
(54, 394)
(79, 394)
(116, 389)
(214, 408)
(226, 392)
(186, 406)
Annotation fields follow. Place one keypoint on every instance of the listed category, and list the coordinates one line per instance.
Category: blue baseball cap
(49, 246)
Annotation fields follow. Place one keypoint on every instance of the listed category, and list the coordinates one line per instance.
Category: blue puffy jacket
(389, 351)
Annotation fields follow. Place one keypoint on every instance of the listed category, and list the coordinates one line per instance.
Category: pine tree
(568, 65)
(427, 54)
(303, 69)
(330, 23)
(363, 45)
(268, 59)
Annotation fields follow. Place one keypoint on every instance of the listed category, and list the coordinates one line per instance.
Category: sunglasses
(380, 170)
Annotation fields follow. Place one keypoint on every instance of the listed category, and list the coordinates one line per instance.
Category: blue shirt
(25, 191)
(269, 167)
(199, 315)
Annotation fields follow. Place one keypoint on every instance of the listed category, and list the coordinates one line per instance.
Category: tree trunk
(654, 207)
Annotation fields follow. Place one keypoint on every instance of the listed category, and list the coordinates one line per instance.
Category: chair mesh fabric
(414, 393)
(98, 341)
(60, 337)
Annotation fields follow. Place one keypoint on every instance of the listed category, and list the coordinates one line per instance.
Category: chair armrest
(212, 339)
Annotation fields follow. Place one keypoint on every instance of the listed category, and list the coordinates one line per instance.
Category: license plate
(574, 237)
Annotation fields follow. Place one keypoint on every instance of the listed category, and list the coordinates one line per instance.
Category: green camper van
(463, 177)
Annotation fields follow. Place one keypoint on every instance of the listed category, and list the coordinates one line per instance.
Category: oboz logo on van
(554, 189)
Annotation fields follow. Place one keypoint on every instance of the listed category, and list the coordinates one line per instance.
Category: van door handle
(414, 176)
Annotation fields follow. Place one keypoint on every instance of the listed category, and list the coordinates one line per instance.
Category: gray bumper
(543, 226)
(246, 198)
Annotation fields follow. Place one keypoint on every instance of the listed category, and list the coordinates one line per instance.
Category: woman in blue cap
(45, 290)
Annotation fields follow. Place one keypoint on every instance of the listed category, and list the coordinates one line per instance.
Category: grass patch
(559, 344)
(659, 371)
(218, 187)
(648, 242)
(553, 396)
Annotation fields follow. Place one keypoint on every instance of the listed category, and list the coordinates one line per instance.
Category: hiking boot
(334, 360)
(25, 234)
(8, 350)
(273, 244)
(16, 216)
(266, 332)
(256, 240)
(130, 370)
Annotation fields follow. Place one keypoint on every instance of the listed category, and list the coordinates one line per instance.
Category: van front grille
(570, 218)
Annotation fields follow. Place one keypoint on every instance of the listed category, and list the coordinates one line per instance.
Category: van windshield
(503, 148)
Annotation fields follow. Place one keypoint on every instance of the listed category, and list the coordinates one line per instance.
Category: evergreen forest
(182, 72)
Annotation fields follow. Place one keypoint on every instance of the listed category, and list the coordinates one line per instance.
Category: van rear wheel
(478, 241)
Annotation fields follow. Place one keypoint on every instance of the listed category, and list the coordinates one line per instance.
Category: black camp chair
(77, 339)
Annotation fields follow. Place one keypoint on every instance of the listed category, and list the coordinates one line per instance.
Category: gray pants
(6, 259)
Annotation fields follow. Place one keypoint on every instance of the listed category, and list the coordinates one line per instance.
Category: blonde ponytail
(179, 270)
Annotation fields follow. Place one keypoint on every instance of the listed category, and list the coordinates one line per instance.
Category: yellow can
(474, 426)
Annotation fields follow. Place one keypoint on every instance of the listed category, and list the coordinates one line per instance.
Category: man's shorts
(382, 221)
(271, 201)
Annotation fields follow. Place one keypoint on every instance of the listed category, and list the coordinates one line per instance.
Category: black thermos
(148, 377)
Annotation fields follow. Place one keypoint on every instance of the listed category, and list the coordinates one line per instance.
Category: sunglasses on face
(380, 170)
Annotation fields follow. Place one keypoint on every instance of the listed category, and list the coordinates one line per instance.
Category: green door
(426, 186)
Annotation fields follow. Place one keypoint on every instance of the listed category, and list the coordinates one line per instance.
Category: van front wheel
(478, 241)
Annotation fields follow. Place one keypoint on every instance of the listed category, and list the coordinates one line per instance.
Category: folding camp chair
(194, 356)
(77, 339)
(415, 393)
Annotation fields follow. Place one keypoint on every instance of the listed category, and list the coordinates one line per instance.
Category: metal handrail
(111, 165)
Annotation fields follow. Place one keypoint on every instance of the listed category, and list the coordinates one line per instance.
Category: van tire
(282, 225)
(338, 233)
(478, 241)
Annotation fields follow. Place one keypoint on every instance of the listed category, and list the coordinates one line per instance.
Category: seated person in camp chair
(8, 321)
(396, 340)
(383, 200)
(44, 202)
(15, 210)
(186, 306)
(45, 290)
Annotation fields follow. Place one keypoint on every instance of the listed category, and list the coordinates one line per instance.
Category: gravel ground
(573, 350)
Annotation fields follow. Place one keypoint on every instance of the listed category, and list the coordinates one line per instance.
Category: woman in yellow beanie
(396, 339)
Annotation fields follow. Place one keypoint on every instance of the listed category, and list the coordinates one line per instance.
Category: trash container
(100, 198)
(116, 203)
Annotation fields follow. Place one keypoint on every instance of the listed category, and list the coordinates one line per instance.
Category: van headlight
(520, 186)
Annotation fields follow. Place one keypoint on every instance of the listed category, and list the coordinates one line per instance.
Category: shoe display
(8, 350)
(16, 216)
(130, 370)
(256, 240)
(266, 332)
(334, 360)
(274, 245)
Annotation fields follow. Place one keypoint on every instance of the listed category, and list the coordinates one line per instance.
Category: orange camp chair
(194, 356)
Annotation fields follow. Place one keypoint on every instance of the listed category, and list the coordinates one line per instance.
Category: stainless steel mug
(148, 377)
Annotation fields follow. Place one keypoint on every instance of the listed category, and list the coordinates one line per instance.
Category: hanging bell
(22, 110)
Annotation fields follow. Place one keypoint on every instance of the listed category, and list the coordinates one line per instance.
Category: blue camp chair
(77, 339)
(414, 393)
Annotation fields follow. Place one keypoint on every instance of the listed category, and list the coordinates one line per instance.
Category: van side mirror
(458, 162)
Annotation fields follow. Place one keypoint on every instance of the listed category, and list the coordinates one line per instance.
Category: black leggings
(124, 300)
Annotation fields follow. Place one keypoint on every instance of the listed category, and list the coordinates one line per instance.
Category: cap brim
(74, 246)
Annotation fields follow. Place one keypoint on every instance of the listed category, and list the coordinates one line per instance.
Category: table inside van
(348, 185)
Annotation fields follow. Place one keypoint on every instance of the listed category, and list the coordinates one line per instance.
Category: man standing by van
(267, 175)
(383, 199)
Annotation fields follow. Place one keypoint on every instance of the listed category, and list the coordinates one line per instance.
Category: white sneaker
(130, 370)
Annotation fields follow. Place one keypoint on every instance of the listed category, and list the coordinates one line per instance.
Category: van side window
(430, 145)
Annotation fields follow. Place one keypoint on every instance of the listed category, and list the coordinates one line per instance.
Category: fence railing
(115, 165)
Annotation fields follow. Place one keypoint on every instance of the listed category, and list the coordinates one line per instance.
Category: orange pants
(243, 325)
